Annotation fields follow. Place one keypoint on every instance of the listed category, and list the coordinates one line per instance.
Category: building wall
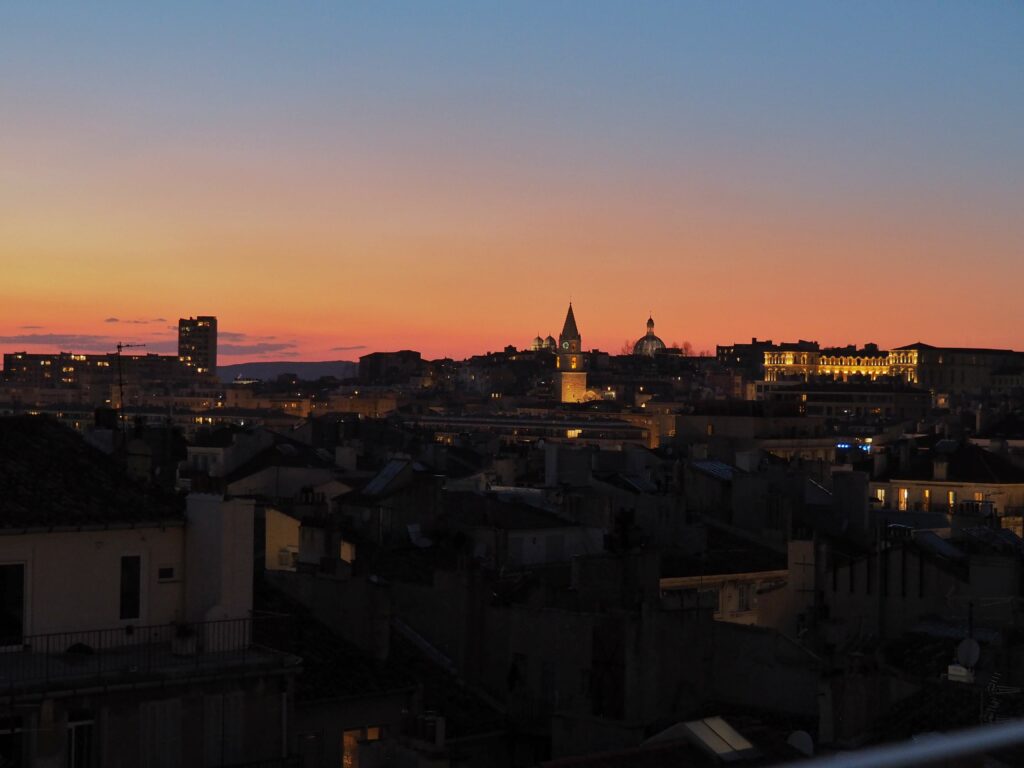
(573, 387)
(357, 609)
(888, 593)
(280, 482)
(220, 723)
(1008, 497)
(73, 579)
(282, 536)
(219, 558)
(551, 545)
(737, 597)
(762, 669)
(197, 343)
(320, 727)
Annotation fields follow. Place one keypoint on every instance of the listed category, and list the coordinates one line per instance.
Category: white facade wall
(73, 578)
(219, 558)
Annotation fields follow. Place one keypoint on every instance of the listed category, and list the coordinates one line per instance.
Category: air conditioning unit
(959, 674)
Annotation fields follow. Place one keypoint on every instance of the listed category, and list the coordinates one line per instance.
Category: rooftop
(51, 477)
(966, 463)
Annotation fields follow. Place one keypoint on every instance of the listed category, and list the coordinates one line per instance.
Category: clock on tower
(571, 374)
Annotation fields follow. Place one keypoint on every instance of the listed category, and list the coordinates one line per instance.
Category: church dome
(650, 344)
(538, 344)
(550, 343)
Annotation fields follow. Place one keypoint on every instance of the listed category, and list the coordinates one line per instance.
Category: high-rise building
(197, 343)
(572, 377)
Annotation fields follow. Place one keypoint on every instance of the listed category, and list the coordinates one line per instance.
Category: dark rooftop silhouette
(50, 477)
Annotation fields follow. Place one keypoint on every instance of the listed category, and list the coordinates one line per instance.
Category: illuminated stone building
(546, 344)
(572, 378)
(648, 345)
(806, 361)
(197, 343)
(946, 369)
(954, 369)
(745, 358)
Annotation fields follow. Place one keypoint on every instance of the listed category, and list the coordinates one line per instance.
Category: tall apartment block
(197, 343)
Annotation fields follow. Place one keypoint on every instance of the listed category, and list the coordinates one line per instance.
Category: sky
(331, 179)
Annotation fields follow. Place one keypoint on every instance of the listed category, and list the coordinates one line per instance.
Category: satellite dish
(801, 742)
(968, 652)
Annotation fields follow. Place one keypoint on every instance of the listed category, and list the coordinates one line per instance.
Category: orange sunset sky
(330, 183)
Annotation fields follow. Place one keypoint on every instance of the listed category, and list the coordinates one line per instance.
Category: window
(80, 742)
(951, 500)
(979, 496)
(12, 604)
(902, 497)
(10, 741)
(880, 495)
(131, 586)
(709, 598)
(223, 728)
(926, 498)
(286, 558)
(743, 599)
(165, 573)
(350, 743)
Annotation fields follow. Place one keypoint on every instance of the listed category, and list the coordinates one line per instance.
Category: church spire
(569, 330)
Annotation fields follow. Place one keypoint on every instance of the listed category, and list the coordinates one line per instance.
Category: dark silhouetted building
(389, 367)
(197, 343)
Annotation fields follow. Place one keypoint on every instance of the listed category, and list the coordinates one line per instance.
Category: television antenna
(120, 391)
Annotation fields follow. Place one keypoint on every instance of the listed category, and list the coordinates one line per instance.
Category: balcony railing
(930, 749)
(134, 654)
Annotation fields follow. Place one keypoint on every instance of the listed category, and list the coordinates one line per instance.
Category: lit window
(903, 497)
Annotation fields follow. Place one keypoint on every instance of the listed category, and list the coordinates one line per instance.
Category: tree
(627, 348)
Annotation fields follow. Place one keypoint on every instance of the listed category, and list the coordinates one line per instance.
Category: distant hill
(307, 370)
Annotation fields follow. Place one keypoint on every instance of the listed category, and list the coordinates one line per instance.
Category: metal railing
(927, 749)
(279, 762)
(129, 654)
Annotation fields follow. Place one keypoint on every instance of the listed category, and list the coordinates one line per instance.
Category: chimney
(881, 465)
(906, 451)
(345, 457)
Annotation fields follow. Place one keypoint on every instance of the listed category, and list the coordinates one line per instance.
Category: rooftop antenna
(120, 395)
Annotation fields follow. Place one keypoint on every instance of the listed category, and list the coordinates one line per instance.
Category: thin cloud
(348, 349)
(259, 348)
(137, 321)
(236, 336)
(30, 327)
(62, 340)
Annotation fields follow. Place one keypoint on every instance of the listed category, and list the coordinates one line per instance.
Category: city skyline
(329, 182)
(239, 347)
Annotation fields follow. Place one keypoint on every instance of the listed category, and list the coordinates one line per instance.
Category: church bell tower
(572, 376)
